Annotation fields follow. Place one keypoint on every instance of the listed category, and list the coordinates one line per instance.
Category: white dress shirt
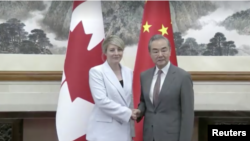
(163, 76)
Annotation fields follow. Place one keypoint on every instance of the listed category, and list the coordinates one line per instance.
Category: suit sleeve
(132, 123)
(97, 87)
(141, 106)
(187, 109)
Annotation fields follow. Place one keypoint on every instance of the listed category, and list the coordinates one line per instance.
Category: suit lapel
(167, 83)
(114, 80)
(148, 84)
(126, 86)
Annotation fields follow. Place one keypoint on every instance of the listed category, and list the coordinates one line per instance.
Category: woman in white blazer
(111, 88)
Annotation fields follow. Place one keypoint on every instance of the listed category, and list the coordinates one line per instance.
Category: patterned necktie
(157, 88)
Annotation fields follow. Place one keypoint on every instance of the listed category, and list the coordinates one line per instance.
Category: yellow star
(146, 27)
(163, 30)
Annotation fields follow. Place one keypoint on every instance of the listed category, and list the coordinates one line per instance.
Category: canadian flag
(83, 52)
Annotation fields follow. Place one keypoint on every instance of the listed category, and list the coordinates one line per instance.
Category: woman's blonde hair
(114, 40)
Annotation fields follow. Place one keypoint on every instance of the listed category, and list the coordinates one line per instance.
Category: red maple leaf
(82, 138)
(78, 62)
(77, 2)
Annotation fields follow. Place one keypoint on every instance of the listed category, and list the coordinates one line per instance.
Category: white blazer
(110, 119)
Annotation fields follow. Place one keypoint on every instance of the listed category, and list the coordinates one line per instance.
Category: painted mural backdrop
(201, 28)
(34, 27)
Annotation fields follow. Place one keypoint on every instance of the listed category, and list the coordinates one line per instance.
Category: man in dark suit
(167, 97)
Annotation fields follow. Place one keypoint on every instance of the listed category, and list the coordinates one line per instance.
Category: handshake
(135, 114)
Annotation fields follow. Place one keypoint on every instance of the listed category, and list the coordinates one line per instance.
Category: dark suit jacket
(173, 117)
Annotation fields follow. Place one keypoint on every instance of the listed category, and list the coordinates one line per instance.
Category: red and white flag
(156, 20)
(83, 52)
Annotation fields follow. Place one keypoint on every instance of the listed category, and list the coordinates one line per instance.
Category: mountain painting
(201, 28)
(34, 27)
(212, 28)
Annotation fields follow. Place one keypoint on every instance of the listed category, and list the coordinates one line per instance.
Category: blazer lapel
(167, 83)
(126, 86)
(114, 80)
(148, 84)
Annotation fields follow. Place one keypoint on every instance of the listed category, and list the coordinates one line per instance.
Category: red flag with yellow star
(156, 20)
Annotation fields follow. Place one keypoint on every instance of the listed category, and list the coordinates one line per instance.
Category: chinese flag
(83, 52)
(156, 20)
